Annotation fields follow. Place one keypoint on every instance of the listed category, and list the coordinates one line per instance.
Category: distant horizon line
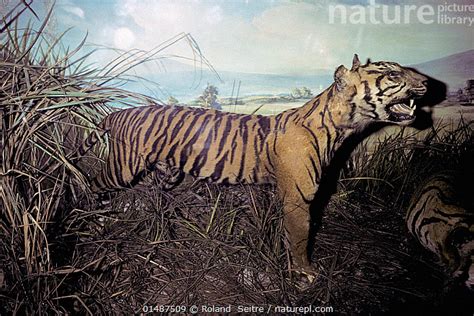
(321, 71)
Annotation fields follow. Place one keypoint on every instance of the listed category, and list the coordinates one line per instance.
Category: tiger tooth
(412, 102)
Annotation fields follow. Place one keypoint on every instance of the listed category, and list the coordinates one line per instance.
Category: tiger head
(380, 91)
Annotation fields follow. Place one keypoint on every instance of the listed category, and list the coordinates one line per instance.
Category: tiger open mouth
(402, 111)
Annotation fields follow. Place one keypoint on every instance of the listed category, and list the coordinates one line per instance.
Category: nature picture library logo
(448, 13)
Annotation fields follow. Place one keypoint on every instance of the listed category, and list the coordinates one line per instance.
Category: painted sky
(259, 36)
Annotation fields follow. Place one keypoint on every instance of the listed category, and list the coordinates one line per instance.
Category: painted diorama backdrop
(66, 64)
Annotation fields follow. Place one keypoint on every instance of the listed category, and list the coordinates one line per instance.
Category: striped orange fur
(441, 217)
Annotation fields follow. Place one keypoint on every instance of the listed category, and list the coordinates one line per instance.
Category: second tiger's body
(441, 217)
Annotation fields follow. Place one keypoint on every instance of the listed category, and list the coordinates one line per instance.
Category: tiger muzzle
(403, 111)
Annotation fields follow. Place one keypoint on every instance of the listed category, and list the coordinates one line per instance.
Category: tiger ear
(355, 63)
(368, 61)
(339, 77)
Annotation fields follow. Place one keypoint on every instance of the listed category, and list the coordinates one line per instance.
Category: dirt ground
(209, 245)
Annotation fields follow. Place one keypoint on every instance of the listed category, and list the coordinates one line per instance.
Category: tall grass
(397, 163)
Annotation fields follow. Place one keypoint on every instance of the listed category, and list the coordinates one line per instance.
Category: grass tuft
(50, 100)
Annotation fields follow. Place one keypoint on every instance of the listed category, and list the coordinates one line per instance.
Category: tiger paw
(305, 276)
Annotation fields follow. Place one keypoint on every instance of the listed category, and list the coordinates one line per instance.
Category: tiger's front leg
(297, 189)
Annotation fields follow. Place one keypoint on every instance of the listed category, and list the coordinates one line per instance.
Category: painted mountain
(453, 70)
(186, 82)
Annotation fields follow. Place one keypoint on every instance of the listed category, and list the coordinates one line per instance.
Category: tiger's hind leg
(121, 170)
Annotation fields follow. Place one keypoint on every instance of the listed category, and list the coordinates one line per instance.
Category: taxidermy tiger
(441, 217)
(290, 149)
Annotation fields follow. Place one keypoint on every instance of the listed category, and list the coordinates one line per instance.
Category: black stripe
(446, 199)
(447, 215)
(245, 133)
(403, 85)
(156, 115)
(164, 142)
(417, 215)
(371, 72)
(138, 155)
(374, 115)
(144, 115)
(233, 147)
(368, 95)
(172, 116)
(156, 140)
(219, 168)
(431, 220)
(201, 158)
(116, 161)
(191, 126)
(381, 92)
(264, 123)
(311, 175)
(187, 148)
(259, 138)
(307, 201)
(276, 131)
(217, 123)
(267, 150)
(226, 133)
(314, 106)
(121, 128)
(172, 151)
(315, 168)
(263, 130)
(378, 81)
(289, 114)
(328, 133)
(179, 125)
(255, 176)
(315, 144)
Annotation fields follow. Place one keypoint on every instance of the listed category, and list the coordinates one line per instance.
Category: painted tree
(208, 99)
(296, 93)
(306, 92)
(172, 101)
(301, 93)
